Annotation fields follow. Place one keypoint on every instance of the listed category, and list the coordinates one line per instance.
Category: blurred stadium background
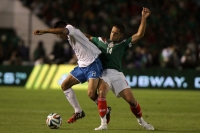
(170, 46)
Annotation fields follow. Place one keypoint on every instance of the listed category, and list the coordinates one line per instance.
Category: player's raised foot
(102, 127)
(108, 114)
(145, 124)
(76, 116)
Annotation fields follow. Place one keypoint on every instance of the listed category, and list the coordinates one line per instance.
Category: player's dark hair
(120, 27)
(60, 24)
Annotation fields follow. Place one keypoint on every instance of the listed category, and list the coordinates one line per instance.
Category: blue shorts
(82, 74)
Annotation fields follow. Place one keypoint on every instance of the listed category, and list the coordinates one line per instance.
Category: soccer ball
(54, 121)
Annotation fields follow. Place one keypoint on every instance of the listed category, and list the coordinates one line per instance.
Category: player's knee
(64, 86)
(92, 96)
(102, 93)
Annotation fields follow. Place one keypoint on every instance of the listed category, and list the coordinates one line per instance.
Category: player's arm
(88, 36)
(141, 30)
(52, 31)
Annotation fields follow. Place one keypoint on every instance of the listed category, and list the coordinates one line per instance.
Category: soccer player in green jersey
(113, 50)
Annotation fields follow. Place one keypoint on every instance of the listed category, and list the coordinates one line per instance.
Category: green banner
(163, 78)
(14, 75)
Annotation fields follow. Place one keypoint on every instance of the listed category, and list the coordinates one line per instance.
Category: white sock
(140, 119)
(71, 97)
(103, 120)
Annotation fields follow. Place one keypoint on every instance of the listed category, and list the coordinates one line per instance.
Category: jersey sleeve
(71, 29)
(128, 43)
(95, 41)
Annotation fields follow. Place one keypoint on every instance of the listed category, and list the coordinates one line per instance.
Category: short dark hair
(120, 27)
(60, 24)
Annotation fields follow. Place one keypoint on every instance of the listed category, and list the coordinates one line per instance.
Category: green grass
(170, 111)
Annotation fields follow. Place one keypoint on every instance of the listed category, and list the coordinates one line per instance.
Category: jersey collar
(114, 42)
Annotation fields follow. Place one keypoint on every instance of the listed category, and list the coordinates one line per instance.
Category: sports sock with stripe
(102, 106)
(136, 110)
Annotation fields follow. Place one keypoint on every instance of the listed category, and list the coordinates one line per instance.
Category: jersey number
(109, 50)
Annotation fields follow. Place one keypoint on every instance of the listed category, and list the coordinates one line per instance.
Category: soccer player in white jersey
(113, 50)
(89, 66)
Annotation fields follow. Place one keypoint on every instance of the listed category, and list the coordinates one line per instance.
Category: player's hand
(145, 12)
(38, 32)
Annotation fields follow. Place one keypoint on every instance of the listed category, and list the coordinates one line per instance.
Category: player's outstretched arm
(52, 31)
(141, 30)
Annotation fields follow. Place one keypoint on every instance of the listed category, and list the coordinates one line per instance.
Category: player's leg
(74, 78)
(103, 90)
(102, 104)
(93, 84)
(94, 72)
(69, 92)
(127, 95)
(101, 99)
(121, 89)
(104, 111)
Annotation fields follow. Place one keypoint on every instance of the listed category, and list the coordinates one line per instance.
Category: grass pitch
(169, 111)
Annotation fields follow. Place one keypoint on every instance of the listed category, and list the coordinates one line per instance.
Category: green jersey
(112, 52)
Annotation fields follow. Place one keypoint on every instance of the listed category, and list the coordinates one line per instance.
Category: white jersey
(85, 51)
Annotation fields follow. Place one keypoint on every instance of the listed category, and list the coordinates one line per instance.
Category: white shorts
(115, 80)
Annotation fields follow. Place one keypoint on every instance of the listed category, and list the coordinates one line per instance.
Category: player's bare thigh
(69, 82)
